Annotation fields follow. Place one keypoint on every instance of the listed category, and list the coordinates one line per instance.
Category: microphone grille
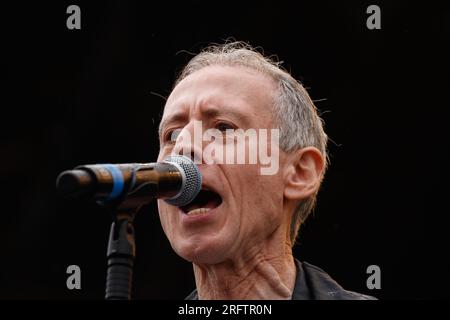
(192, 180)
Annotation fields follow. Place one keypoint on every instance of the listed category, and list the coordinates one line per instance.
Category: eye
(172, 135)
(223, 126)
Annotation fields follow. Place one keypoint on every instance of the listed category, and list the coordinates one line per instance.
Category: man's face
(242, 208)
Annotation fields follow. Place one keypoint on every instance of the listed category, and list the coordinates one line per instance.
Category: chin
(199, 250)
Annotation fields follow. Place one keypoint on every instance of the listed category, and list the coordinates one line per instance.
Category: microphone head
(192, 180)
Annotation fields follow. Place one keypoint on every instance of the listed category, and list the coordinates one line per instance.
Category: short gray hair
(295, 114)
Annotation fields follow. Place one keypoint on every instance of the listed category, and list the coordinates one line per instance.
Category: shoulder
(323, 287)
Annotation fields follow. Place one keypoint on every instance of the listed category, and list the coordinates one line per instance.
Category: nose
(189, 142)
(190, 155)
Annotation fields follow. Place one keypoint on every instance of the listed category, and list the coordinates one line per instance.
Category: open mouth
(205, 201)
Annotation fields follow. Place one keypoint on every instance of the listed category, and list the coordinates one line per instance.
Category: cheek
(264, 201)
(164, 217)
(255, 192)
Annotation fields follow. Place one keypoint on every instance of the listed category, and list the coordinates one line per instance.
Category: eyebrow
(208, 113)
(178, 117)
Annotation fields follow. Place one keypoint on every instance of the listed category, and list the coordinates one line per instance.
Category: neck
(258, 276)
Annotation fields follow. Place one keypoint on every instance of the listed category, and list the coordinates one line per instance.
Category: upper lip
(207, 186)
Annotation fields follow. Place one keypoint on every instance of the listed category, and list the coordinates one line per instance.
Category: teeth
(198, 211)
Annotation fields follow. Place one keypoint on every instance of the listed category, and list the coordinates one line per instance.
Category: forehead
(235, 88)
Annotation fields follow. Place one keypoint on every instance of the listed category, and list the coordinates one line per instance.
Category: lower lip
(200, 218)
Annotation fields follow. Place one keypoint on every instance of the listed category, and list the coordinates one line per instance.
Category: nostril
(190, 155)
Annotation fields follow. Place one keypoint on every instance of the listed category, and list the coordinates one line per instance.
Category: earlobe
(304, 173)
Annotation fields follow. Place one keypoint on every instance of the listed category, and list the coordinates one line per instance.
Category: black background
(72, 97)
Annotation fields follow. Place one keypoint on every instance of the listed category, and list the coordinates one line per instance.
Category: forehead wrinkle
(211, 104)
(204, 109)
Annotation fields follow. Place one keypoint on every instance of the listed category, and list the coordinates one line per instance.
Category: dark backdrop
(72, 97)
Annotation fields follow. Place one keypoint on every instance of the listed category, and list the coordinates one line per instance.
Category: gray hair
(295, 114)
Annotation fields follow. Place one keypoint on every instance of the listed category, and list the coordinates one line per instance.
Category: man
(240, 230)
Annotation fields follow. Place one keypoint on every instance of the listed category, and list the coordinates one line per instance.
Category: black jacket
(312, 283)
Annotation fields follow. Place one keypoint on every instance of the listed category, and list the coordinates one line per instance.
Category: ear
(304, 173)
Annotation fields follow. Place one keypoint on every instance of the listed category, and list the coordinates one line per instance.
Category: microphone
(177, 180)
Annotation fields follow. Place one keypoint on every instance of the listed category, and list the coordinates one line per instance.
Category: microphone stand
(121, 250)
(120, 256)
